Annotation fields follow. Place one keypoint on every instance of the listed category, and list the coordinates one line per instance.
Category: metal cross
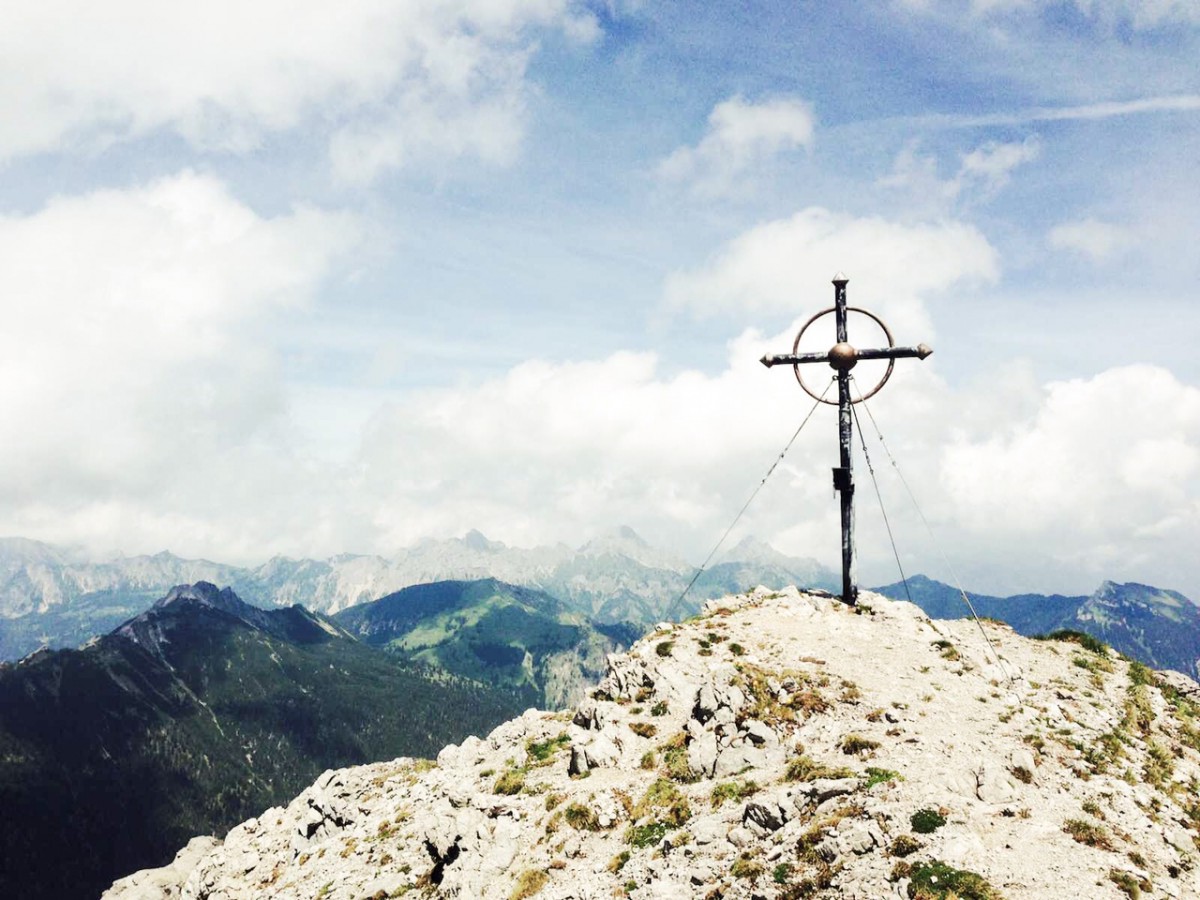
(842, 357)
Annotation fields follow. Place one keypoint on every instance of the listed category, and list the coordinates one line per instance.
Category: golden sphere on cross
(843, 357)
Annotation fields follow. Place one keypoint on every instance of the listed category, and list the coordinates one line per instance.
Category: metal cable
(878, 495)
(937, 545)
(746, 505)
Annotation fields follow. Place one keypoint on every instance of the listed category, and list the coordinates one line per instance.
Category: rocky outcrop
(780, 745)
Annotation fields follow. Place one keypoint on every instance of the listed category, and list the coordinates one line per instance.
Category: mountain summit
(781, 745)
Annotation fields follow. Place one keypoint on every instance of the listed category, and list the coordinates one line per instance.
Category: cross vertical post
(843, 477)
(842, 357)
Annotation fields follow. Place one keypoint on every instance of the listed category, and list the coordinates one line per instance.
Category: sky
(306, 278)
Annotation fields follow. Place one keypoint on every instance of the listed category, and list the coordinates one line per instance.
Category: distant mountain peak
(622, 535)
(624, 541)
(206, 593)
(751, 549)
(475, 540)
(184, 601)
(626, 533)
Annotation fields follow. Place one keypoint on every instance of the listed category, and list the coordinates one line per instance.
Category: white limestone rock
(673, 778)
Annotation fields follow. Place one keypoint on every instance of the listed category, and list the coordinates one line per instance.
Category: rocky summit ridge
(778, 745)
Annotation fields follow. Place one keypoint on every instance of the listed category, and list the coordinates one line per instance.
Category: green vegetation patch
(802, 768)
(1093, 664)
(1137, 712)
(664, 648)
(617, 863)
(763, 702)
(935, 880)
(641, 836)
(927, 821)
(674, 754)
(1140, 674)
(541, 753)
(879, 776)
(1084, 640)
(905, 845)
(852, 744)
(1088, 833)
(1129, 883)
(810, 701)
(1159, 766)
(581, 818)
(510, 782)
(733, 790)
(946, 649)
(746, 867)
(665, 801)
(661, 809)
(1105, 751)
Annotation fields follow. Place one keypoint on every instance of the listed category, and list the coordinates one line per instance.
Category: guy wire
(878, 495)
(962, 593)
(746, 505)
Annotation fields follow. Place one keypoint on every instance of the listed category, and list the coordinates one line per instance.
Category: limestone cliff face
(781, 745)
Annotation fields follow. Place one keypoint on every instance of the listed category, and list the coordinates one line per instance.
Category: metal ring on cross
(870, 315)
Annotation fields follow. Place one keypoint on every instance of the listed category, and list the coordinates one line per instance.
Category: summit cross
(842, 357)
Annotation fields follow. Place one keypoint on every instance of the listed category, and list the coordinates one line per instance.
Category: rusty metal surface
(842, 356)
(796, 359)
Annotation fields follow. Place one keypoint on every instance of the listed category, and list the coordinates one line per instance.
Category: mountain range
(191, 716)
(49, 597)
(1160, 628)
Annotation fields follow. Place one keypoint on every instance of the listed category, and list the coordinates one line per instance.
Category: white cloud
(394, 80)
(561, 451)
(1107, 462)
(1099, 241)
(981, 174)
(774, 267)
(741, 135)
(992, 164)
(136, 361)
